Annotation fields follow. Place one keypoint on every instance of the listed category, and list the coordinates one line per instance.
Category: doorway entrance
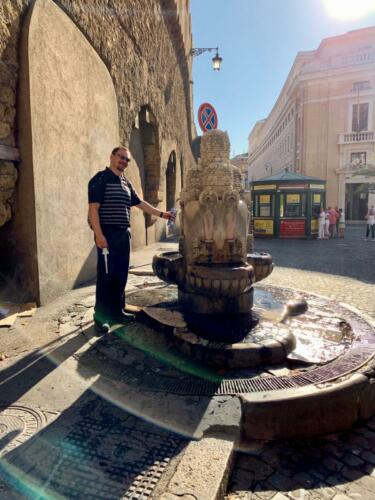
(356, 201)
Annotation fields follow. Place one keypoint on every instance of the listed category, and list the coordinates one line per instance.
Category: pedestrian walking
(322, 224)
(370, 227)
(332, 221)
(341, 223)
(111, 196)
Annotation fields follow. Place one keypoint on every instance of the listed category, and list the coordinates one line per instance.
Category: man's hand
(170, 215)
(100, 241)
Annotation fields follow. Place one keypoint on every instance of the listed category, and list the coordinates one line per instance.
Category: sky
(258, 41)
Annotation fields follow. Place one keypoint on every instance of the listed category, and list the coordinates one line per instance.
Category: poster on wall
(293, 198)
(292, 228)
(263, 227)
(314, 226)
(317, 199)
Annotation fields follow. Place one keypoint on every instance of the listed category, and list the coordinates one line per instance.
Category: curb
(308, 411)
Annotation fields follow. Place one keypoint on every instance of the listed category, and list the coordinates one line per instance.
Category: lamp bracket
(200, 50)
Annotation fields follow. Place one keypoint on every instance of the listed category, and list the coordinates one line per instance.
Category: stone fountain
(216, 331)
(215, 268)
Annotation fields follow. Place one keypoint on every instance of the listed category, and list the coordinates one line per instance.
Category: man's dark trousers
(110, 294)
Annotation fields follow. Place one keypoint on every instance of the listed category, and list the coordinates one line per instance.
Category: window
(294, 205)
(360, 117)
(358, 158)
(317, 202)
(358, 86)
(263, 205)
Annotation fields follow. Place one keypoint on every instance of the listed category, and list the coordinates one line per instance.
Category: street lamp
(216, 60)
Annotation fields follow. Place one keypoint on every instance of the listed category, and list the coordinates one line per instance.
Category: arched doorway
(170, 181)
(144, 147)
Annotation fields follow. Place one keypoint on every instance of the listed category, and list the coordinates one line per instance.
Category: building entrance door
(356, 201)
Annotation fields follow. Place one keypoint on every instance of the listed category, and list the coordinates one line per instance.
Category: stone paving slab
(203, 471)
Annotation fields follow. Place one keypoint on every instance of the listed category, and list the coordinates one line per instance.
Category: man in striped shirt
(111, 197)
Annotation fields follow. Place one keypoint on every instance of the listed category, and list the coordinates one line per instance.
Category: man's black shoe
(101, 327)
(124, 317)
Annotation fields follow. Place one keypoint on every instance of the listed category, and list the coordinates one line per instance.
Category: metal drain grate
(351, 361)
(95, 451)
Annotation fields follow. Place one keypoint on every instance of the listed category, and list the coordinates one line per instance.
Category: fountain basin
(169, 267)
(210, 288)
(262, 264)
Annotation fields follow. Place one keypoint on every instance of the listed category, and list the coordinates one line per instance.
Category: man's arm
(149, 209)
(100, 240)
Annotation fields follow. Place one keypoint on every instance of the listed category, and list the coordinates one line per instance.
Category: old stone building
(242, 161)
(322, 124)
(76, 79)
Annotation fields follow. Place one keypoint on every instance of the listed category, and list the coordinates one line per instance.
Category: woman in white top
(322, 224)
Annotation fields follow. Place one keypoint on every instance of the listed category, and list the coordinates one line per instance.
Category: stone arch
(68, 125)
(145, 148)
(170, 181)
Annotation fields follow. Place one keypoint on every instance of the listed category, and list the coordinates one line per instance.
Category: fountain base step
(326, 389)
(219, 354)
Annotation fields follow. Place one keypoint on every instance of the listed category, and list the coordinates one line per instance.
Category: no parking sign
(207, 117)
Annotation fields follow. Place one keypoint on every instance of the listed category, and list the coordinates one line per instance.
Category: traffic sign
(207, 117)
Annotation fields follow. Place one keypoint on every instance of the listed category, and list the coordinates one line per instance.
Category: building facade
(78, 78)
(323, 122)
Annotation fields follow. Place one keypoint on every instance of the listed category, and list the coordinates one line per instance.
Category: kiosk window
(316, 204)
(295, 205)
(263, 205)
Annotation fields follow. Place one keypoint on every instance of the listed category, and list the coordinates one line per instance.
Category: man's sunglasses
(123, 158)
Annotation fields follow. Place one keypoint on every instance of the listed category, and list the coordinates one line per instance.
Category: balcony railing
(356, 137)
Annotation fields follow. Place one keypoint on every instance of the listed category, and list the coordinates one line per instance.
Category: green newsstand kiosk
(287, 205)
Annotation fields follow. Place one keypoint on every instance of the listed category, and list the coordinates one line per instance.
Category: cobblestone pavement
(341, 269)
(338, 466)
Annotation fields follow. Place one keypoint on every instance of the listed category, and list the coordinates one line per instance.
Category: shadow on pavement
(114, 440)
(28, 371)
(94, 450)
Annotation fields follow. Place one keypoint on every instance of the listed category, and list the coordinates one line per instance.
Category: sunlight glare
(346, 10)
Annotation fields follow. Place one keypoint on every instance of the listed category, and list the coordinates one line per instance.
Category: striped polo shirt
(116, 196)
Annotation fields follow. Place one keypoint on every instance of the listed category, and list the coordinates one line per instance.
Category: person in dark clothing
(111, 196)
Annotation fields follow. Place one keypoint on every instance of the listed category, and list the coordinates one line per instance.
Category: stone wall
(143, 44)
(9, 32)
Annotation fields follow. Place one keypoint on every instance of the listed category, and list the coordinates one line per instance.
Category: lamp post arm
(201, 50)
